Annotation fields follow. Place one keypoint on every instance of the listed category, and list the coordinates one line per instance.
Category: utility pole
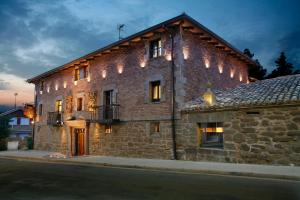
(120, 28)
(16, 94)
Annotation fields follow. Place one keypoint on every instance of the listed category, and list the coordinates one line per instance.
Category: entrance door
(79, 141)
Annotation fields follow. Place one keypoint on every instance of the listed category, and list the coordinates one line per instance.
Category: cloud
(4, 85)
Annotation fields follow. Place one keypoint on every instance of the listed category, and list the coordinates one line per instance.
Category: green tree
(4, 132)
(283, 67)
(255, 71)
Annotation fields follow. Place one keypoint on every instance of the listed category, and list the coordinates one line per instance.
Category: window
(108, 129)
(79, 104)
(58, 106)
(41, 109)
(155, 127)
(81, 73)
(211, 135)
(155, 48)
(155, 91)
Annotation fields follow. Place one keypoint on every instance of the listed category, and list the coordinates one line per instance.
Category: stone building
(251, 123)
(125, 99)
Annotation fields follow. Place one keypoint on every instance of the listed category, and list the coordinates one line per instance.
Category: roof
(276, 91)
(179, 19)
(11, 111)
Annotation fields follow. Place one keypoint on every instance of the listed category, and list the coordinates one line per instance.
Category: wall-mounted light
(232, 73)
(75, 82)
(143, 64)
(48, 89)
(241, 78)
(104, 74)
(120, 69)
(168, 56)
(206, 62)
(65, 84)
(185, 52)
(56, 86)
(220, 67)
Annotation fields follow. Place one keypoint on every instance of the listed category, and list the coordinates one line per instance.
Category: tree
(283, 67)
(4, 132)
(255, 71)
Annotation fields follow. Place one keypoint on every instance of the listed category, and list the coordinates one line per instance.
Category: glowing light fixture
(56, 86)
(209, 97)
(241, 78)
(185, 52)
(48, 89)
(220, 66)
(65, 84)
(143, 64)
(75, 82)
(169, 57)
(206, 63)
(104, 74)
(120, 69)
(231, 73)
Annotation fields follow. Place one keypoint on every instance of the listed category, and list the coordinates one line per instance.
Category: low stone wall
(269, 135)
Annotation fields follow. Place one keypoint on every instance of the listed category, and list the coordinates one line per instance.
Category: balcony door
(108, 101)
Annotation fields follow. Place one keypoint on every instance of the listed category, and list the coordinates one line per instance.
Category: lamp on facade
(209, 97)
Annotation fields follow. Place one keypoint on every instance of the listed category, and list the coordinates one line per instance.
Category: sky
(38, 35)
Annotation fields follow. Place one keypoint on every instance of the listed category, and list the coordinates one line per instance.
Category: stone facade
(128, 71)
(265, 135)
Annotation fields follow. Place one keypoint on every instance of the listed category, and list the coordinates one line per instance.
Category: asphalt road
(34, 180)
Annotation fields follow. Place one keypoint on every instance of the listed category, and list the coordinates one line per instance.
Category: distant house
(20, 123)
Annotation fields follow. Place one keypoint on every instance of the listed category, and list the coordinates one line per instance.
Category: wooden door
(79, 142)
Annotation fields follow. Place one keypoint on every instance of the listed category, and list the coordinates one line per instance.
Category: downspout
(34, 118)
(173, 97)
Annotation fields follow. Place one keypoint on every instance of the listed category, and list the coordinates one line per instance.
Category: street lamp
(16, 100)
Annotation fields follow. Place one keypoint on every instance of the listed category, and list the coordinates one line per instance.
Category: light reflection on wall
(65, 84)
(142, 63)
(221, 68)
(120, 69)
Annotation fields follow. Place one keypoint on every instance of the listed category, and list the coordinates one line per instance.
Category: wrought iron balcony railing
(106, 114)
(55, 118)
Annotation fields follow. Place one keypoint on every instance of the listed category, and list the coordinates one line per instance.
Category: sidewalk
(267, 171)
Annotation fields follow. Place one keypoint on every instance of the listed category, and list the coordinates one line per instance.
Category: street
(37, 180)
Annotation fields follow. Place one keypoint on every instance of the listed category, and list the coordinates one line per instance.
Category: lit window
(79, 104)
(58, 106)
(155, 48)
(81, 73)
(155, 91)
(211, 135)
(108, 129)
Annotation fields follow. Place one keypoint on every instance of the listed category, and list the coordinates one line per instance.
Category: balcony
(106, 114)
(55, 118)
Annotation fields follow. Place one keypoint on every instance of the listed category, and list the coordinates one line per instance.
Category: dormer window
(155, 48)
(81, 73)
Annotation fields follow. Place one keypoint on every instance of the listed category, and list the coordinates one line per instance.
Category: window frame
(216, 129)
(77, 73)
(155, 48)
(155, 91)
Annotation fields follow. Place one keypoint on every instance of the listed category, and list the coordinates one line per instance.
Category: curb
(162, 169)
